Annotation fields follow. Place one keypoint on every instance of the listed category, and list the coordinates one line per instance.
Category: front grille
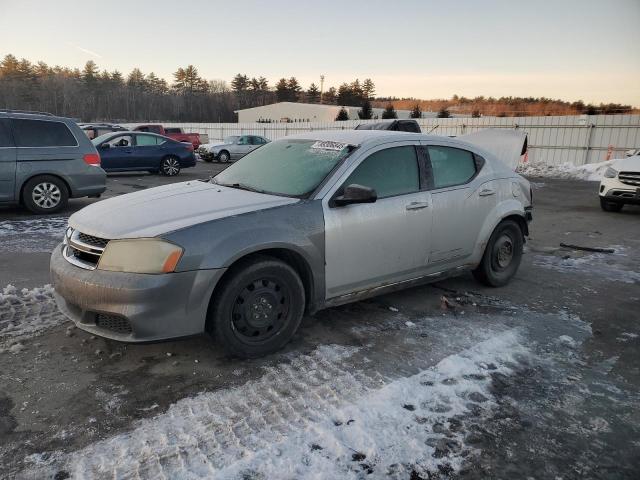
(113, 323)
(83, 250)
(630, 178)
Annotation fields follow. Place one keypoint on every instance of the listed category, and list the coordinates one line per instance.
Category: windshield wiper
(242, 186)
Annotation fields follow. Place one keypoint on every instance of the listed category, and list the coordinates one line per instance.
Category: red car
(171, 132)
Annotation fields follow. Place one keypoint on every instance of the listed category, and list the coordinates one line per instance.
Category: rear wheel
(45, 194)
(608, 206)
(170, 166)
(502, 256)
(258, 308)
(224, 157)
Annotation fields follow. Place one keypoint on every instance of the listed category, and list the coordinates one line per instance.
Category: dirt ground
(539, 379)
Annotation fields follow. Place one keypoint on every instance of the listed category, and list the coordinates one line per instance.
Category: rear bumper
(150, 307)
(88, 184)
(189, 161)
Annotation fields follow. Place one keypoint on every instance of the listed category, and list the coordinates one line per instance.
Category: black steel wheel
(502, 255)
(257, 308)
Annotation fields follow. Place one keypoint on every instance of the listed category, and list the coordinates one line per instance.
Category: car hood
(160, 210)
(210, 146)
(629, 164)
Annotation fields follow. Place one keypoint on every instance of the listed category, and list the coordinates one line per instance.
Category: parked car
(134, 151)
(45, 160)
(306, 222)
(173, 133)
(392, 125)
(93, 130)
(620, 184)
(231, 148)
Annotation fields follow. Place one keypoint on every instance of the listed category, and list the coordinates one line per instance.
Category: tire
(502, 255)
(608, 206)
(170, 166)
(45, 194)
(258, 308)
(207, 159)
(224, 157)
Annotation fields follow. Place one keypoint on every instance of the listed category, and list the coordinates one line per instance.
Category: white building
(307, 112)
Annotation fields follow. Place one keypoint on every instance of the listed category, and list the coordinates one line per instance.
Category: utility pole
(321, 87)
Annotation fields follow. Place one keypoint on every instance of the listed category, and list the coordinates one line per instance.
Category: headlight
(145, 255)
(610, 173)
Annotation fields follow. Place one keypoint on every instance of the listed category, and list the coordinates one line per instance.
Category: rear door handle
(417, 205)
(486, 192)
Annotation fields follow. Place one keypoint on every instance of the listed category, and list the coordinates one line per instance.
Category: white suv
(621, 184)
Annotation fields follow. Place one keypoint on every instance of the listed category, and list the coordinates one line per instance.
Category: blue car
(135, 151)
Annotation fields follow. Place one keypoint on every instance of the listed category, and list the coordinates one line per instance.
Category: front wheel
(258, 308)
(224, 157)
(610, 206)
(502, 255)
(170, 166)
(45, 194)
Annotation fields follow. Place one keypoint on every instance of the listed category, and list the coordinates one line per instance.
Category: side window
(243, 141)
(6, 140)
(41, 133)
(120, 141)
(451, 166)
(393, 171)
(146, 140)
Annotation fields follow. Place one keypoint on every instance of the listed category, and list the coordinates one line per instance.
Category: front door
(119, 153)
(376, 244)
(242, 148)
(7, 162)
(463, 196)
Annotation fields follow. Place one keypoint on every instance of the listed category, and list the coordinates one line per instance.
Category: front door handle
(486, 192)
(417, 205)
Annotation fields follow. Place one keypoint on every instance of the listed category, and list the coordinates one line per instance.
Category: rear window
(5, 134)
(173, 130)
(451, 166)
(42, 133)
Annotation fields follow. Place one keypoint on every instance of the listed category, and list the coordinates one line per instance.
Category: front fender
(501, 211)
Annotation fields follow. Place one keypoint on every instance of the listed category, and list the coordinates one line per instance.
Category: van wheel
(258, 308)
(45, 194)
(170, 166)
(502, 256)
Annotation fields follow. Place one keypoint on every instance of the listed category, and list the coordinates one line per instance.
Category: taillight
(92, 159)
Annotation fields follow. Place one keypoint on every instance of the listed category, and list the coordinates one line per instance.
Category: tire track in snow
(316, 416)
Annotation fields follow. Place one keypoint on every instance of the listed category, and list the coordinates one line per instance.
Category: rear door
(376, 244)
(147, 151)
(463, 195)
(7, 162)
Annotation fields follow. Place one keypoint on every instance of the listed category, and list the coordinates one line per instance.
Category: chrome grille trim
(630, 178)
(83, 250)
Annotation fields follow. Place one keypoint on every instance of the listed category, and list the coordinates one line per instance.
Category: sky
(567, 49)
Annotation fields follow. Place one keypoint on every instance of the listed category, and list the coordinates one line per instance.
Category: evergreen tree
(294, 89)
(368, 89)
(366, 112)
(313, 94)
(389, 112)
(416, 112)
(329, 97)
(240, 83)
(342, 115)
(282, 90)
(444, 113)
(90, 73)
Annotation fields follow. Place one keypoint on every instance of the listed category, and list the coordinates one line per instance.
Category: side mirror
(105, 146)
(355, 193)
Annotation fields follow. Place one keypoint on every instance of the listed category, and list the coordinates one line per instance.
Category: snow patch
(590, 172)
(313, 416)
(32, 235)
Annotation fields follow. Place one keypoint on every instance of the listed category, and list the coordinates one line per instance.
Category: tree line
(91, 94)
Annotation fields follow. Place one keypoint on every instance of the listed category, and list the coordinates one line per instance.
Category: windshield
(230, 139)
(289, 167)
(98, 140)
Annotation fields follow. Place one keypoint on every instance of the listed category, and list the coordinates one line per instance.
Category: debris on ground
(588, 249)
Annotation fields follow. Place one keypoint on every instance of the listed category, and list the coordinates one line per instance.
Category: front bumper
(154, 307)
(614, 190)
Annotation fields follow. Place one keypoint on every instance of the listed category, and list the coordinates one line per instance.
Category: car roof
(131, 132)
(360, 137)
(33, 115)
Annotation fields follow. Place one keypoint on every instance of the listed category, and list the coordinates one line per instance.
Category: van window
(451, 166)
(41, 133)
(5, 134)
(390, 172)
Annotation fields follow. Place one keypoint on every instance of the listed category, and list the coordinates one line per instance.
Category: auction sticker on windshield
(327, 145)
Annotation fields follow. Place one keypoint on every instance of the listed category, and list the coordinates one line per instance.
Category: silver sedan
(231, 148)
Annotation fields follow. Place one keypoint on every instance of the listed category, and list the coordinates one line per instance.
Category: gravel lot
(539, 379)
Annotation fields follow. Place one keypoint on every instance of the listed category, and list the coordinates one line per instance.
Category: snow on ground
(32, 235)
(590, 172)
(26, 313)
(315, 416)
(603, 265)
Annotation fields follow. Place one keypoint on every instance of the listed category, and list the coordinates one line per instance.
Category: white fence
(552, 140)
